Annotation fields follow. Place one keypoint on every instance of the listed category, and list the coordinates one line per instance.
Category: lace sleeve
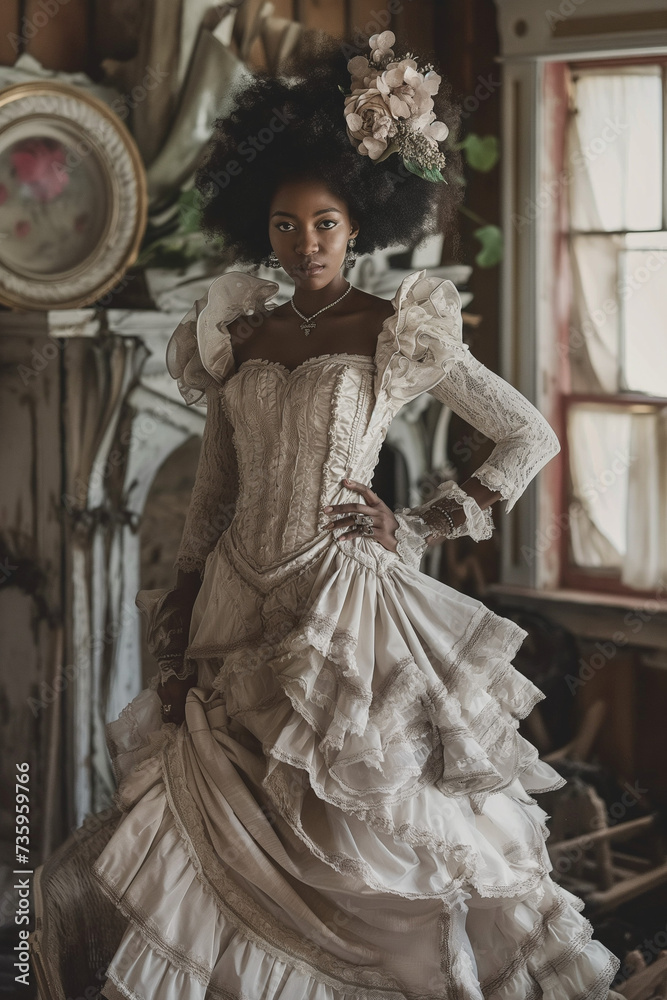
(215, 489)
(524, 440)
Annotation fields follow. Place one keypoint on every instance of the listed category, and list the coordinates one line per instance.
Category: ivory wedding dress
(347, 810)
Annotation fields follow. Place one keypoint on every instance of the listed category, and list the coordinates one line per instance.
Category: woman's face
(309, 228)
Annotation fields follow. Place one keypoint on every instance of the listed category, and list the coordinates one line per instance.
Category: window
(615, 397)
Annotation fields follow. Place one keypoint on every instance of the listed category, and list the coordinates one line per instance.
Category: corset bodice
(297, 434)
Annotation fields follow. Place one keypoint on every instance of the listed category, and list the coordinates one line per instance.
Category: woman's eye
(332, 223)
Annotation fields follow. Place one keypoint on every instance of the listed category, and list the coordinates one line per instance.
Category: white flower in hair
(390, 109)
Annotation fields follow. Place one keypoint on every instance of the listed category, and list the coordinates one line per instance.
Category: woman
(340, 802)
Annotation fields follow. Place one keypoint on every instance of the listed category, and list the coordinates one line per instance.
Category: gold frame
(127, 203)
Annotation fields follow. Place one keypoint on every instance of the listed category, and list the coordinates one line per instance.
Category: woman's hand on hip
(172, 692)
(384, 522)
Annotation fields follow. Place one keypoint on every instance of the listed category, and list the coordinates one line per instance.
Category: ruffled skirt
(347, 810)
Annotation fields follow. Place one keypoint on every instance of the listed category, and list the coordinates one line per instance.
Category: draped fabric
(99, 376)
(347, 810)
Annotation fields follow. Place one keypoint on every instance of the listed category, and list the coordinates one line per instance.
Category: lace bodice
(277, 443)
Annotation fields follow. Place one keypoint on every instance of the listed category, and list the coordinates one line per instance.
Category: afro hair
(291, 127)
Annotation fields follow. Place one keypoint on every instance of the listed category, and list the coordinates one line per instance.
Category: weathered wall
(30, 566)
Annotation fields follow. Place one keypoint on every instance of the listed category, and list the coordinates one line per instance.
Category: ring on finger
(365, 523)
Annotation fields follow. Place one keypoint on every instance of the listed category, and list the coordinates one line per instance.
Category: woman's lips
(311, 269)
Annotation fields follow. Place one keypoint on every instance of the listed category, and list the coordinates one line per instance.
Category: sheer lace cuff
(190, 564)
(411, 536)
(478, 523)
(179, 668)
(168, 613)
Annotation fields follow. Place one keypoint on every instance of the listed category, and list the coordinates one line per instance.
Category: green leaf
(391, 148)
(491, 239)
(481, 153)
(189, 210)
(428, 173)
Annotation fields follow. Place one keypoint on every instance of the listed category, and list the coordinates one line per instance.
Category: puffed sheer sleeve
(524, 443)
(524, 440)
(214, 493)
(428, 353)
(200, 359)
(212, 503)
(215, 489)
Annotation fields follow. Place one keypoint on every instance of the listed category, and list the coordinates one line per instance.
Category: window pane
(643, 296)
(599, 447)
(594, 328)
(615, 149)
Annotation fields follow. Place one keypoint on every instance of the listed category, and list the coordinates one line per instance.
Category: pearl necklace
(308, 323)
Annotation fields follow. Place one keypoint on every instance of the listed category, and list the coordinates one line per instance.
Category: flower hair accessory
(390, 109)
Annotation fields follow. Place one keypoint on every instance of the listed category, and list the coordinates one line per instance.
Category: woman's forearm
(188, 583)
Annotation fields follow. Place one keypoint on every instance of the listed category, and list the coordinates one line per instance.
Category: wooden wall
(75, 35)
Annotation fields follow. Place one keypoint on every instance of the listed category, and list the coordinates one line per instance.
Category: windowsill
(563, 595)
(641, 621)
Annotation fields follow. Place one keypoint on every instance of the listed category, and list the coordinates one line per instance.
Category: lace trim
(193, 965)
(113, 989)
(427, 337)
(336, 456)
(524, 440)
(405, 683)
(411, 536)
(599, 988)
(190, 564)
(277, 785)
(529, 945)
(323, 634)
(490, 728)
(215, 491)
(186, 669)
(478, 523)
(493, 481)
(467, 858)
(575, 948)
(121, 991)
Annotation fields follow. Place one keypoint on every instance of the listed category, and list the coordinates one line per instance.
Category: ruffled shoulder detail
(422, 340)
(199, 353)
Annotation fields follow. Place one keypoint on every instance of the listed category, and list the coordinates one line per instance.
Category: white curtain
(618, 456)
(618, 468)
(615, 149)
(645, 563)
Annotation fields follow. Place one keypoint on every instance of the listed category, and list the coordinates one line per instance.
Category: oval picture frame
(73, 197)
